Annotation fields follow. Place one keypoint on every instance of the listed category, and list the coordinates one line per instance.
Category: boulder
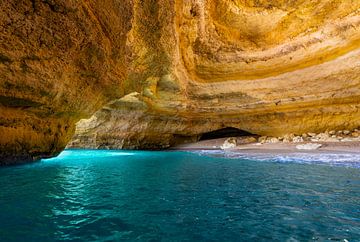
(297, 139)
(308, 146)
(229, 143)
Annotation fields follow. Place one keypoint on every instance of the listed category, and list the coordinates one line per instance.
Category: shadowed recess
(225, 132)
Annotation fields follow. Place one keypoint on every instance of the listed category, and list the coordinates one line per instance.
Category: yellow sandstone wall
(171, 70)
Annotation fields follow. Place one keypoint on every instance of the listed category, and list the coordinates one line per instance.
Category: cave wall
(161, 70)
(266, 67)
(60, 60)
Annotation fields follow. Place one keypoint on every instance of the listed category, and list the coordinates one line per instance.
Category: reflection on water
(123, 195)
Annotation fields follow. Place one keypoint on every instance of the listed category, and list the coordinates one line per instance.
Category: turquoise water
(180, 196)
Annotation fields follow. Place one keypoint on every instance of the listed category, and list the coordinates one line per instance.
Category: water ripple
(336, 159)
(182, 196)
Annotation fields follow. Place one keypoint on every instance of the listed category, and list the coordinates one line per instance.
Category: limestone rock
(262, 139)
(285, 140)
(288, 138)
(304, 135)
(355, 134)
(228, 144)
(332, 139)
(332, 132)
(308, 146)
(246, 140)
(60, 61)
(349, 139)
(297, 139)
(322, 136)
(266, 67)
(273, 140)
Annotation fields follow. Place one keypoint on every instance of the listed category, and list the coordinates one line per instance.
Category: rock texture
(169, 71)
(59, 61)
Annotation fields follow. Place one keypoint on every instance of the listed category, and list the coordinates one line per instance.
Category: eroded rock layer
(59, 61)
(169, 71)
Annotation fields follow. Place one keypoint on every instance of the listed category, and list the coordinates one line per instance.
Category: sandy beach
(280, 147)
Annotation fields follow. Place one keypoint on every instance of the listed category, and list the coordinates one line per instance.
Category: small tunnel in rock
(224, 132)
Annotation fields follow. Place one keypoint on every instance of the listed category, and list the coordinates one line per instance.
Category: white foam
(344, 159)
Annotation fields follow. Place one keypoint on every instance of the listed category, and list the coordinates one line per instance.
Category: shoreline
(348, 147)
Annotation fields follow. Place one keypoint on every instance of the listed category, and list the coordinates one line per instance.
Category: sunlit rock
(228, 144)
(267, 67)
(308, 146)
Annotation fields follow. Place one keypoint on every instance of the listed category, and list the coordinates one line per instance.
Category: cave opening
(225, 132)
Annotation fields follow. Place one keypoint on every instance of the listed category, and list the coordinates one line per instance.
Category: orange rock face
(172, 70)
(59, 61)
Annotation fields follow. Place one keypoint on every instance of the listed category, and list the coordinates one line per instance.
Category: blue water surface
(179, 196)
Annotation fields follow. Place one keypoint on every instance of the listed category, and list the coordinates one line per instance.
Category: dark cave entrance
(225, 132)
